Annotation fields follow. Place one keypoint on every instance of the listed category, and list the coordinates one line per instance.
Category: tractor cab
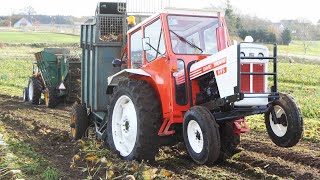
(176, 34)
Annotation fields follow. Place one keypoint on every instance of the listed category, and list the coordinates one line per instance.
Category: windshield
(193, 35)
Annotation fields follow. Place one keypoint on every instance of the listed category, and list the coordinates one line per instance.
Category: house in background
(23, 22)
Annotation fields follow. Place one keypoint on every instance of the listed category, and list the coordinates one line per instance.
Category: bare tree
(304, 33)
(29, 12)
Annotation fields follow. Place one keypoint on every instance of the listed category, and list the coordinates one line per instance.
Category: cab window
(154, 32)
(136, 50)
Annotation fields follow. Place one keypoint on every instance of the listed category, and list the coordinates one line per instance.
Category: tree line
(265, 31)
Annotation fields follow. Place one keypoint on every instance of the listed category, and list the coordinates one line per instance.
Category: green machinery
(56, 74)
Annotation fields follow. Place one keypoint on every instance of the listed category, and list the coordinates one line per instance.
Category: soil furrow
(286, 154)
(278, 166)
(53, 144)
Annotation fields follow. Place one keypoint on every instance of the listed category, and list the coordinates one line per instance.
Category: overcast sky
(274, 10)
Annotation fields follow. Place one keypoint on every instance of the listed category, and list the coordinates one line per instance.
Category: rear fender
(116, 78)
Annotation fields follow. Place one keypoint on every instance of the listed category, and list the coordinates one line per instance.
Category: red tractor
(179, 74)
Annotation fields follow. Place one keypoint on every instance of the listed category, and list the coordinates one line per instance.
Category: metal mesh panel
(121, 7)
(144, 6)
(111, 29)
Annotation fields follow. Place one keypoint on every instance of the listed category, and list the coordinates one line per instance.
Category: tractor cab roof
(182, 11)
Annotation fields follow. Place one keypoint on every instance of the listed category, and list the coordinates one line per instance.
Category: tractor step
(240, 126)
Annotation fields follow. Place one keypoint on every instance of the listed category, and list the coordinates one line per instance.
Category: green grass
(18, 53)
(37, 37)
(303, 82)
(296, 47)
(14, 75)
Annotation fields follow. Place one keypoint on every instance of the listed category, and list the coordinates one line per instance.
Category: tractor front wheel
(50, 97)
(284, 123)
(134, 120)
(34, 90)
(25, 94)
(229, 140)
(201, 135)
(79, 121)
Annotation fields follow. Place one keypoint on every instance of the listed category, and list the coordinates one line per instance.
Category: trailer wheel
(25, 94)
(133, 122)
(51, 97)
(34, 90)
(286, 129)
(201, 135)
(79, 122)
(229, 141)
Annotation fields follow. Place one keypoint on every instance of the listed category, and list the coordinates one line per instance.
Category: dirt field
(47, 133)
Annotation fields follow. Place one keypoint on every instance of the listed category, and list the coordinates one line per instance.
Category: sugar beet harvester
(178, 76)
(56, 75)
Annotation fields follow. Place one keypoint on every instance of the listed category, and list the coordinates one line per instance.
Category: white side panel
(224, 65)
(226, 75)
(114, 79)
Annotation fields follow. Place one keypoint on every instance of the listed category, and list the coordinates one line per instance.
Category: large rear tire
(50, 97)
(34, 90)
(201, 135)
(79, 122)
(133, 122)
(286, 129)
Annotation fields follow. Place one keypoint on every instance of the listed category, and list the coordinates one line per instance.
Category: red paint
(258, 80)
(245, 79)
(221, 71)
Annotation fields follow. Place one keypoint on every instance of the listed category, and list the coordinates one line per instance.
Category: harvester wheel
(201, 135)
(79, 121)
(285, 127)
(229, 140)
(50, 97)
(134, 120)
(25, 94)
(34, 90)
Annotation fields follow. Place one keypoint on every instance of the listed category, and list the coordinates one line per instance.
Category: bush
(286, 37)
(258, 35)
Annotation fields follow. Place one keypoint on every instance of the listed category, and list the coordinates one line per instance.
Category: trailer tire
(229, 141)
(25, 94)
(50, 97)
(79, 122)
(201, 135)
(287, 129)
(134, 120)
(34, 90)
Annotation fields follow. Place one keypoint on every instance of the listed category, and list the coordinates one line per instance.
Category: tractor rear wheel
(201, 135)
(134, 120)
(285, 127)
(79, 122)
(50, 97)
(34, 90)
(229, 140)
(25, 94)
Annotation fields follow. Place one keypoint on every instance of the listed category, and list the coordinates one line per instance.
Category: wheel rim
(279, 129)
(30, 88)
(195, 136)
(124, 125)
(73, 122)
(46, 96)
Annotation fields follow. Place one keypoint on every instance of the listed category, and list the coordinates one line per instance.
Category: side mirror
(146, 44)
(116, 63)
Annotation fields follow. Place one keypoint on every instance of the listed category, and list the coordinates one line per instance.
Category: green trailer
(56, 75)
